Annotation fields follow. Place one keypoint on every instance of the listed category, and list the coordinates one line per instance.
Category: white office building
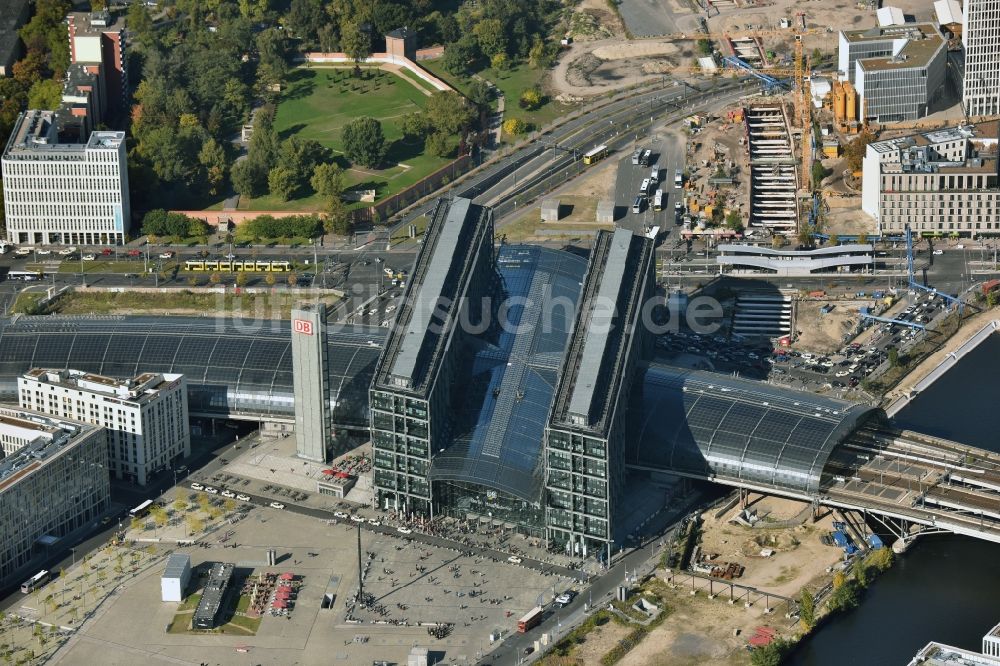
(940, 182)
(146, 417)
(51, 484)
(64, 193)
(176, 577)
(981, 39)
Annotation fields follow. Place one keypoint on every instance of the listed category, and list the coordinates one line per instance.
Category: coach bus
(658, 201)
(531, 620)
(141, 510)
(35, 582)
(595, 154)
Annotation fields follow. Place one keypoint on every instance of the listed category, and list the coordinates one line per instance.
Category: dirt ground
(799, 556)
(719, 144)
(699, 632)
(824, 332)
(593, 20)
(578, 201)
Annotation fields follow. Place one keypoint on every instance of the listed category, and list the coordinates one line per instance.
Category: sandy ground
(699, 632)
(799, 555)
(719, 143)
(593, 20)
(578, 198)
(824, 332)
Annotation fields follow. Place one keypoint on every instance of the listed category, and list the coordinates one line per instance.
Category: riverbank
(975, 329)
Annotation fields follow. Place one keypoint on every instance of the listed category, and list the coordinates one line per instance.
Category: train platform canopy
(234, 368)
(711, 425)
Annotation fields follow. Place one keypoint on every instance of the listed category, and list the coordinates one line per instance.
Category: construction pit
(821, 325)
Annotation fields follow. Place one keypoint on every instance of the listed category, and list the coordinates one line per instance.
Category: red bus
(531, 620)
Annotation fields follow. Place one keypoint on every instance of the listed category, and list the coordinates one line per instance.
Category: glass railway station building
(516, 385)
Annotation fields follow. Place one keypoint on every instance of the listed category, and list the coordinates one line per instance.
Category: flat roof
(939, 654)
(923, 43)
(177, 564)
(609, 305)
(56, 436)
(213, 594)
(139, 389)
(427, 316)
(96, 23)
(35, 137)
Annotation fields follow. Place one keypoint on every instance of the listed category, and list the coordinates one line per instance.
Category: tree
(247, 177)
(293, 279)
(300, 157)
(500, 62)
(805, 236)
(356, 43)
(180, 504)
(328, 180)
(281, 182)
(459, 56)
(439, 145)
(364, 142)
(530, 99)
(818, 172)
(195, 524)
(135, 524)
(415, 124)
(854, 151)
(270, 279)
(863, 238)
(538, 56)
(490, 35)
(514, 126)
(45, 94)
(733, 221)
(212, 157)
(480, 93)
(215, 278)
(844, 597)
(894, 357)
(705, 47)
(833, 239)
(241, 279)
(778, 241)
(229, 504)
(253, 9)
(807, 610)
(338, 219)
(771, 654)
(448, 112)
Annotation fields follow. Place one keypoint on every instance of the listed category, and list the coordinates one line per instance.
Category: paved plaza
(411, 583)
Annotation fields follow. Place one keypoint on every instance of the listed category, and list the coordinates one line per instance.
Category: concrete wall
(385, 58)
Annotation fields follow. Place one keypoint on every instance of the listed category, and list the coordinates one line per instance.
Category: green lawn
(318, 102)
(512, 83)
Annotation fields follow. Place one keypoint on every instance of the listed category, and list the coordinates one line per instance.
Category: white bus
(35, 582)
(653, 233)
(644, 187)
(141, 510)
(678, 178)
(658, 201)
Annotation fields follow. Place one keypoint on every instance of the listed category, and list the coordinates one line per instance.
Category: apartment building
(898, 70)
(981, 40)
(64, 193)
(146, 417)
(98, 38)
(939, 182)
(52, 482)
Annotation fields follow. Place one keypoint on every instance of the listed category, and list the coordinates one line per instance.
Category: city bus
(25, 276)
(658, 201)
(530, 620)
(141, 510)
(595, 154)
(678, 178)
(35, 582)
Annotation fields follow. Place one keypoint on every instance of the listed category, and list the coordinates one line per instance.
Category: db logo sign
(302, 326)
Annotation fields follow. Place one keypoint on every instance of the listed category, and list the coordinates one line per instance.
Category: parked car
(66, 251)
(166, 255)
(197, 486)
(228, 493)
(276, 505)
(211, 491)
(42, 252)
(243, 498)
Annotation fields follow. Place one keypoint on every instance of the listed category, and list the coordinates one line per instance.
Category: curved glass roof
(232, 367)
(509, 387)
(714, 425)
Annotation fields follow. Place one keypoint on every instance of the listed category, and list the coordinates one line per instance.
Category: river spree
(945, 588)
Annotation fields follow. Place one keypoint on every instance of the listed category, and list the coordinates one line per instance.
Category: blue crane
(769, 81)
(866, 314)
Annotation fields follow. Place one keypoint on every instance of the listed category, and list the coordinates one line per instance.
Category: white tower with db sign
(309, 372)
